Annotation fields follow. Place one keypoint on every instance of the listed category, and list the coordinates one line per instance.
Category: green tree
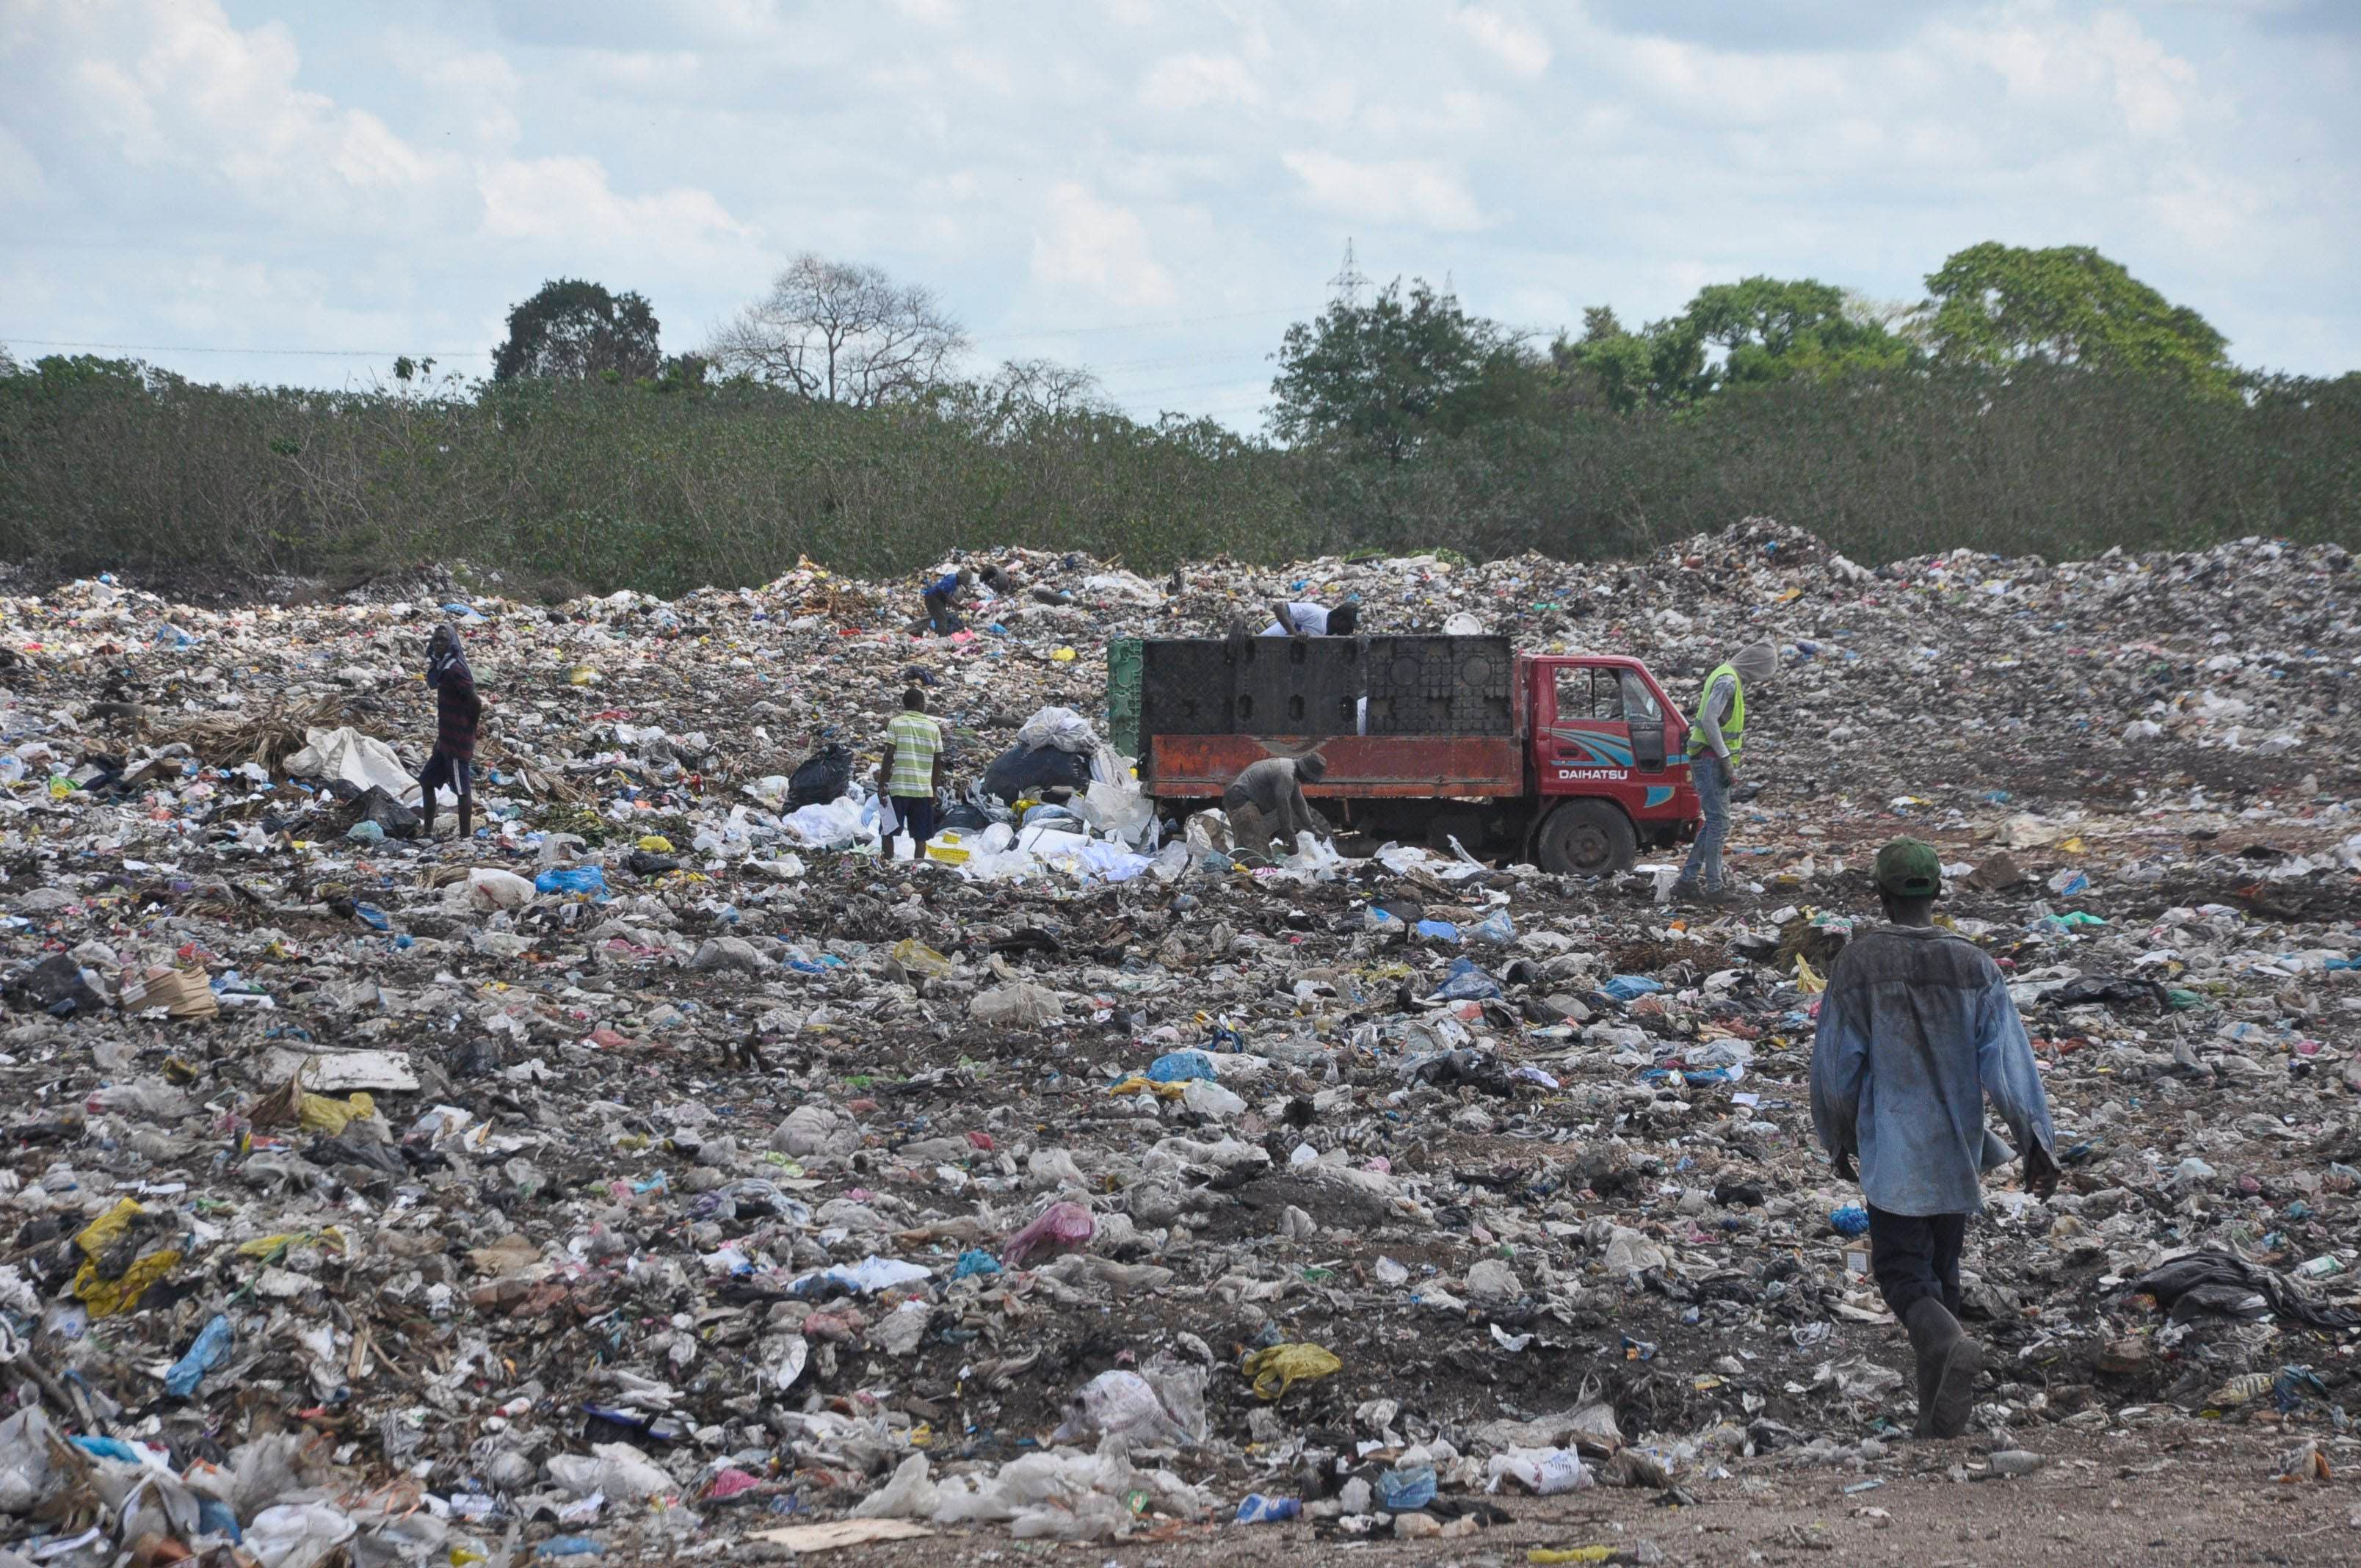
(576, 330)
(1663, 366)
(1999, 305)
(1387, 377)
(1772, 328)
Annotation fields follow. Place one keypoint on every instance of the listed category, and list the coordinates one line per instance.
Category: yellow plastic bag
(107, 1229)
(1136, 1084)
(1568, 1554)
(655, 844)
(1063, 655)
(1808, 978)
(1281, 1368)
(105, 1298)
(320, 1114)
(919, 959)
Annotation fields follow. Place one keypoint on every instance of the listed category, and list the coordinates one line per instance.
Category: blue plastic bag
(1629, 987)
(1181, 1067)
(1465, 982)
(211, 1349)
(1495, 927)
(1852, 1220)
(1443, 929)
(587, 880)
(974, 1261)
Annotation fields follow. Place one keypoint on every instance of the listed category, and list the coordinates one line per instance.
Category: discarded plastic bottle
(1255, 1508)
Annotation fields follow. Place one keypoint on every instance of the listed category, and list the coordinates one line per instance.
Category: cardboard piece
(182, 994)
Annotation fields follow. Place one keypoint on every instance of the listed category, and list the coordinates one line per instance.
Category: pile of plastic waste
(681, 1165)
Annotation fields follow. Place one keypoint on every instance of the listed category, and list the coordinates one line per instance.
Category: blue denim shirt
(1917, 1029)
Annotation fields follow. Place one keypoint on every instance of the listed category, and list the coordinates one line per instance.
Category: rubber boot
(1948, 1361)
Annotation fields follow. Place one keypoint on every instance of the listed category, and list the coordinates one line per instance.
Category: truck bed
(1363, 766)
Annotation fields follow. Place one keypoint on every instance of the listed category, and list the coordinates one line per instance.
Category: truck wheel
(1586, 837)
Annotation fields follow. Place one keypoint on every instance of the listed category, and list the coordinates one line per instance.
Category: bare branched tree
(843, 332)
(1023, 394)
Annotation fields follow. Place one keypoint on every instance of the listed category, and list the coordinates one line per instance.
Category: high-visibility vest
(1733, 727)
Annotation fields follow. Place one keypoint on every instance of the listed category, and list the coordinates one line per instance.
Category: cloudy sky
(246, 190)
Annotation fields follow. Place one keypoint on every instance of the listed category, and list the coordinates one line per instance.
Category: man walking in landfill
(1266, 800)
(1721, 724)
(458, 714)
(1917, 1029)
(912, 768)
(1307, 620)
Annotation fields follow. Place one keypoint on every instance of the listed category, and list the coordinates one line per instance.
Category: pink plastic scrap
(1061, 1228)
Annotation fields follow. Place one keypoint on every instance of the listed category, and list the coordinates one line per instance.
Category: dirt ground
(2171, 1496)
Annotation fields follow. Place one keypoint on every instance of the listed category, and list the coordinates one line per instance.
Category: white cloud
(1520, 48)
(1414, 193)
(2061, 63)
(20, 172)
(177, 171)
(551, 197)
(1101, 247)
(1192, 80)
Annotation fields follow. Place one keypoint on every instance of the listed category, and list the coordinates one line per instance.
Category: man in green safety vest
(1716, 737)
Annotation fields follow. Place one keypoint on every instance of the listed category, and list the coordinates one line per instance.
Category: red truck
(1572, 761)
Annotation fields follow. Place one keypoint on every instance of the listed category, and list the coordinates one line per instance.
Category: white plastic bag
(1543, 1472)
(359, 760)
(909, 1495)
(296, 1535)
(615, 1469)
(1059, 727)
(488, 888)
(1021, 1006)
(25, 1439)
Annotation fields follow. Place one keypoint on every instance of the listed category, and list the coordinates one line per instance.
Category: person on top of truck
(1721, 723)
(1297, 619)
(1265, 801)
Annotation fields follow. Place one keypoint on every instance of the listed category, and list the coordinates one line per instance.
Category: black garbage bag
(825, 775)
(2213, 1283)
(965, 818)
(1023, 770)
(398, 820)
(55, 986)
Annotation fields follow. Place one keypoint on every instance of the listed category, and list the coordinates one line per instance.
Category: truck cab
(1601, 729)
(1573, 761)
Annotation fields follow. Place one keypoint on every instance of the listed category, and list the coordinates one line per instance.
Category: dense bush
(106, 465)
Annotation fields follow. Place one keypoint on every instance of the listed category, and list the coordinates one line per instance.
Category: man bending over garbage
(1303, 619)
(1916, 1030)
(1266, 799)
(459, 713)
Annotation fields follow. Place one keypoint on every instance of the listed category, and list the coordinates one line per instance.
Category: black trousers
(916, 817)
(1914, 1257)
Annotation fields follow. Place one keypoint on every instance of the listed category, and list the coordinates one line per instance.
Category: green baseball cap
(1908, 868)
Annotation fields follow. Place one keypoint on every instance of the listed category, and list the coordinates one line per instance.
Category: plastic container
(1255, 1508)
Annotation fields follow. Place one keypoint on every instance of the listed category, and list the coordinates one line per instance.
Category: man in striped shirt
(912, 766)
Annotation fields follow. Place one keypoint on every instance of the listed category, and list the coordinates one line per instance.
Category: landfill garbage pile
(673, 1168)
